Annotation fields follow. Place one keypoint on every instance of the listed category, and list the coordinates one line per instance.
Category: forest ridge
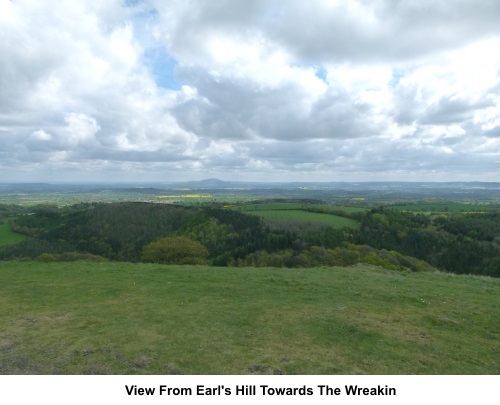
(218, 234)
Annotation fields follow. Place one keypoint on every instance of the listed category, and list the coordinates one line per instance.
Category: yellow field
(187, 196)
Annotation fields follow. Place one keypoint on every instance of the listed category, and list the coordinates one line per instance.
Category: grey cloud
(187, 24)
(407, 108)
(336, 31)
(448, 110)
(206, 119)
(493, 132)
(412, 107)
(337, 115)
(231, 109)
(225, 162)
(371, 156)
(382, 30)
(404, 157)
(131, 156)
(290, 153)
(77, 93)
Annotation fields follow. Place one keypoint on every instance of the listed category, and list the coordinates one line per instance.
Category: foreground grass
(122, 318)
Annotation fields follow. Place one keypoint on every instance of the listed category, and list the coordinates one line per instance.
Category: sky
(261, 90)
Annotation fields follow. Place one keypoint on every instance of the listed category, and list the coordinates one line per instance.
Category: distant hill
(393, 186)
(209, 183)
(214, 183)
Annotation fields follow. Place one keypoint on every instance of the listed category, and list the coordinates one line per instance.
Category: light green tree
(175, 250)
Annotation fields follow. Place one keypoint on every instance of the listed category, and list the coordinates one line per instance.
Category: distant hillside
(208, 183)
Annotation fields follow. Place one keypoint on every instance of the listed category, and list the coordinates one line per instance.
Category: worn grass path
(123, 318)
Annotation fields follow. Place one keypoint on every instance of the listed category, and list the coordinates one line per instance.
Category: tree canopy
(175, 250)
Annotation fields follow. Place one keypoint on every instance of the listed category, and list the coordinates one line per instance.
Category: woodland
(220, 235)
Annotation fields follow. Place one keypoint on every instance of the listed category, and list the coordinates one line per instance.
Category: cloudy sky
(264, 90)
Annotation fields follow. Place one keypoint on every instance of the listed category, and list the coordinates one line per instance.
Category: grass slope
(334, 221)
(123, 318)
(8, 237)
(289, 212)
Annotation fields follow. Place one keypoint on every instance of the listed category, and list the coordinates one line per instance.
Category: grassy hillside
(7, 237)
(300, 216)
(287, 213)
(122, 318)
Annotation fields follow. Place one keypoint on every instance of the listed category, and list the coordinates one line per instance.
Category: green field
(295, 212)
(300, 216)
(268, 206)
(123, 318)
(8, 237)
(349, 209)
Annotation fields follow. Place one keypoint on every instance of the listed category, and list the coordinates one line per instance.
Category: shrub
(175, 250)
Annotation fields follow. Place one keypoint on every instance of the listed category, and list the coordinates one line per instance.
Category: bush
(69, 257)
(175, 250)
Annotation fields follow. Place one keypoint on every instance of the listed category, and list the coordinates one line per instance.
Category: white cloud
(40, 135)
(80, 129)
(267, 89)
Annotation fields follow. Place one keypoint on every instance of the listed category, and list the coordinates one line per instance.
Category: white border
(91, 390)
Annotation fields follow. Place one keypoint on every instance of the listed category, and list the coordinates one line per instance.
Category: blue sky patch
(162, 67)
(129, 3)
(397, 74)
(321, 73)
